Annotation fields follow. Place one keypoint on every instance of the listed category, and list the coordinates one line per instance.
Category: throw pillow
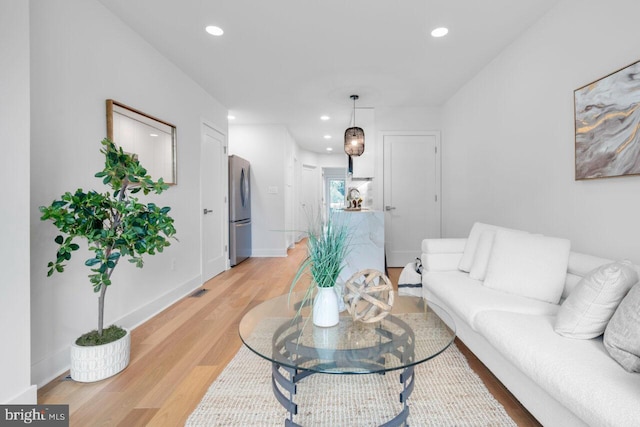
(478, 269)
(472, 243)
(587, 310)
(622, 336)
(530, 265)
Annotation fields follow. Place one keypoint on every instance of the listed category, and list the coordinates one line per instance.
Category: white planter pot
(95, 363)
(326, 311)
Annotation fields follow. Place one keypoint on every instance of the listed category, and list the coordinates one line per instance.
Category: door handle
(389, 208)
(206, 211)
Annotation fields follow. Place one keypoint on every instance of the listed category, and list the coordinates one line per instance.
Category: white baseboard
(27, 397)
(269, 253)
(56, 364)
(144, 313)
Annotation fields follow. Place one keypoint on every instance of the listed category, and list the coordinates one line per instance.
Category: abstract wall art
(607, 123)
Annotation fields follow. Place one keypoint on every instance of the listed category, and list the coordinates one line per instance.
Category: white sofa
(561, 381)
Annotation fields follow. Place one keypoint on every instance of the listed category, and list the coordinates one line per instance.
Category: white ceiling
(290, 61)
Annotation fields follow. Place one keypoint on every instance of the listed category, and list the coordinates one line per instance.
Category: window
(336, 194)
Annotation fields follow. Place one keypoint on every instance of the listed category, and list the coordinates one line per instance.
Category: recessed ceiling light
(440, 32)
(327, 137)
(153, 134)
(329, 149)
(230, 117)
(214, 31)
(325, 118)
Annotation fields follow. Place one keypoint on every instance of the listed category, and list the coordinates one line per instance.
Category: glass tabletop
(412, 333)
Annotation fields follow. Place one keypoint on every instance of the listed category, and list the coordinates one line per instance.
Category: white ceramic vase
(95, 363)
(326, 311)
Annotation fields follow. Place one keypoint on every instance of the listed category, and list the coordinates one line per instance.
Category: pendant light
(354, 136)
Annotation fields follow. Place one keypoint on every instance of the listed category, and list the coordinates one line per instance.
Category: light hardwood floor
(176, 355)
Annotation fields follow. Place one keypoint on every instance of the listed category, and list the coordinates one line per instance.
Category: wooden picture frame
(154, 141)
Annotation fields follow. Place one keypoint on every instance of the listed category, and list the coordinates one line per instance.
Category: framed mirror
(152, 139)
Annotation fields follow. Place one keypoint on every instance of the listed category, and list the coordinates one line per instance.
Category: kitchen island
(366, 240)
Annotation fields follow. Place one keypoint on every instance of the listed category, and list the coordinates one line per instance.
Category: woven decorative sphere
(369, 296)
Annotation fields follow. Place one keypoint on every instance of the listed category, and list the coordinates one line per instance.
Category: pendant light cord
(354, 97)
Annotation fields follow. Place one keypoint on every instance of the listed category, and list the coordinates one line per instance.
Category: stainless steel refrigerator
(239, 210)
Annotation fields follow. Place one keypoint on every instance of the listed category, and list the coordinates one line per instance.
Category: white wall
(338, 160)
(15, 368)
(81, 55)
(508, 141)
(408, 118)
(266, 147)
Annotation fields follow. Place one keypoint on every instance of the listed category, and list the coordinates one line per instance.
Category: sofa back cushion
(530, 265)
(472, 245)
(478, 269)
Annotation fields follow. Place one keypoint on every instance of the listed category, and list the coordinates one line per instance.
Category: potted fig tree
(115, 226)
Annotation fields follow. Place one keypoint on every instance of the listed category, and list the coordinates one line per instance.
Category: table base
(289, 384)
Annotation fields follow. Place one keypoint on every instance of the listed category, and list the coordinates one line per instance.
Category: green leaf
(115, 224)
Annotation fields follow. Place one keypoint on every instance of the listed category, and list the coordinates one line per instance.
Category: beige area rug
(447, 393)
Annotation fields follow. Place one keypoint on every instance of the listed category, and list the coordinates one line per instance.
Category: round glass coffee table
(281, 331)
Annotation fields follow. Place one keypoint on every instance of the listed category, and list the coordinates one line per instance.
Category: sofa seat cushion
(577, 373)
(467, 297)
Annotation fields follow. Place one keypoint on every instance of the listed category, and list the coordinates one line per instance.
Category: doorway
(214, 208)
(411, 193)
(334, 183)
(310, 196)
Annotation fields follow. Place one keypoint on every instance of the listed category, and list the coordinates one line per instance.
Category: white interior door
(310, 196)
(214, 210)
(411, 194)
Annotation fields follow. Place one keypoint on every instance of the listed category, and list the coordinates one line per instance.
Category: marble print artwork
(607, 122)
